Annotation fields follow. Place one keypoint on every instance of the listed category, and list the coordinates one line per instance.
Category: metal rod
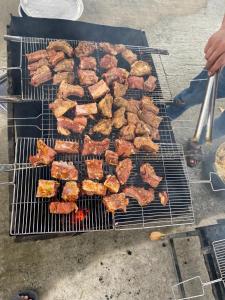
(12, 38)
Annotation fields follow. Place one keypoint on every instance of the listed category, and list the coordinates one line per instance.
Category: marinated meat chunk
(47, 188)
(104, 127)
(132, 118)
(88, 63)
(87, 77)
(119, 89)
(128, 132)
(70, 191)
(66, 125)
(143, 196)
(145, 143)
(61, 45)
(119, 48)
(116, 202)
(98, 90)
(111, 49)
(63, 170)
(105, 106)
(150, 118)
(66, 90)
(129, 56)
(84, 49)
(55, 57)
(119, 118)
(41, 75)
(63, 208)
(94, 147)
(60, 106)
(66, 147)
(108, 61)
(143, 129)
(155, 134)
(65, 65)
(68, 77)
(112, 184)
(45, 154)
(123, 170)
(111, 157)
(150, 84)
(140, 68)
(135, 82)
(94, 168)
(34, 66)
(129, 105)
(149, 176)
(124, 148)
(86, 109)
(116, 74)
(164, 198)
(148, 104)
(91, 188)
(37, 55)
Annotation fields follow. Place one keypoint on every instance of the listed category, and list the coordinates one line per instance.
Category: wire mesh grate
(219, 250)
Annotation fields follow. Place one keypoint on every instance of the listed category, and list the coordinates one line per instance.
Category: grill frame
(219, 251)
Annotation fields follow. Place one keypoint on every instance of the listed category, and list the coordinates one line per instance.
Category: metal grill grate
(219, 250)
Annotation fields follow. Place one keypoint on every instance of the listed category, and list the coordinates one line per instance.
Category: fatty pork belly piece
(66, 90)
(143, 196)
(150, 118)
(62, 208)
(119, 119)
(61, 45)
(66, 125)
(146, 144)
(132, 118)
(34, 66)
(35, 56)
(149, 176)
(84, 49)
(104, 127)
(131, 105)
(124, 148)
(65, 65)
(135, 82)
(87, 77)
(60, 106)
(164, 198)
(59, 77)
(41, 75)
(70, 191)
(86, 109)
(45, 154)
(64, 171)
(123, 170)
(150, 84)
(108, 61)
(112, 184)
(66, 147)
(129, 56)
(116, 74)
(98, 90)
(94, 168)
(91, 188)
(148, 104)
(119, 89)
(116, 202)
(55, 57)
(47, 188)
(112, 49)
(140, 68)
(105, 106)
(128, 132)
(111, 157)
(88, 63)
(94, 147)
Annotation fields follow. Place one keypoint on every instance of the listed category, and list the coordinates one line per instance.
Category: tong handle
(12, 38)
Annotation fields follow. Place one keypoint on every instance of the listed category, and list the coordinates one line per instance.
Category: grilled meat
(87, 77)
(60, 106)
(66, 125)
(55, 57)
(116, 202)
(149, 176)
(98, 90)
(66, 90)
(146, 144)
(59, 77)
(129, 105)
(150, 118)
(61, 45)
(63, 170)
(135, 82)
(66, 147)
(150, 84)
(112, 49)
(124, 148)
(140, 68)
(88, 63)
(65, 65)
(112, 184)
(123, 170)
(47, 188)
(105, 106)
(119, 89)
(91, 188)
(94, 147)
(41, 75)
(143, 196)
(115, 74)
(129, 56)
(35, 56)
(128, 132)
(84, 49)
(70, 191)
(111, 157)
(45, 154)
(148, 104)
(34, 66)
(143, 129)
(94, 168)
(119, 119)
(86, 109)
(108, 61)
(63, 208)
(104, 127)
(132, 118)
(164, 198)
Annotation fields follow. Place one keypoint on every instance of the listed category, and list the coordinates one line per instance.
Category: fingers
(219, 63)
(212, 58)
(208, 45)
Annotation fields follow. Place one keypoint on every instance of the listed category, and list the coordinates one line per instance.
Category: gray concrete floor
(120, 265)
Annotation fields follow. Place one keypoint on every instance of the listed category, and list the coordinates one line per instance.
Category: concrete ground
(120, 265)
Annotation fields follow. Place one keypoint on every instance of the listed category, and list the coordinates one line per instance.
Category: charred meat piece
(59, 77)
(149, 176)
(108, 48)
(98, 90)
(61, 45)
(150, 118)
(108, 61)
(70, 191)
(41, 75)
(129, 105)
(128, 132)
(119, 48)
(94, 147)
(112, 184)
(34, 66)
(88, 63)
(116, 74)
(94, 168)
(60, 106)
(55, 57)
(91, 188)
(66, 125)
(66, 147)
(87, 77)
(164, 198)
(111, 157)
(116, 202)
(105, 106)
(47, 188)
(66, 90)
(119, 89)
(146, 144)
(132, 118)
(143, 129)
(148, 104)
(150, 84)
(35, 56)
(63, 170)
(129, 56)
(124, 148)
(62, 208)
(86, 109)
(119, 118)
(135, 82)
(143, 196)
(104, 127)
(65, 65)
(140, 68)
(84, 49)
(123, 170)
(45, 154)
